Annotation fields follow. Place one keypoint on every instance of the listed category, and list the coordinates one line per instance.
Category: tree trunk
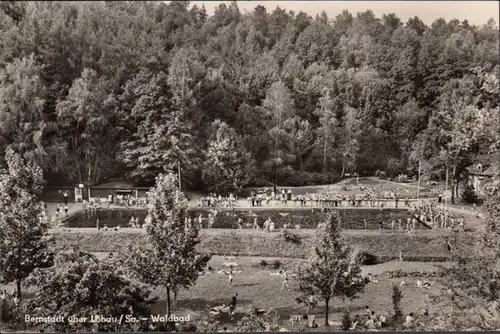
(324, 157)
(89, 166)
(343, 170)
(454, 180)
(168, 302)
(452, 192)
(18, 285)
(327, 310)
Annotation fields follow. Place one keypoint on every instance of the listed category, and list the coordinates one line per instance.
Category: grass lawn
(257, 288)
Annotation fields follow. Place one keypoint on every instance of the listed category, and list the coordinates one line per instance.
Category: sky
(476, 12)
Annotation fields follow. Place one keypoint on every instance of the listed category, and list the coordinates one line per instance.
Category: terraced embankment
(424, 246)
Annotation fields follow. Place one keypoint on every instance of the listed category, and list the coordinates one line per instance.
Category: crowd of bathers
(436, 216)
(364, 197)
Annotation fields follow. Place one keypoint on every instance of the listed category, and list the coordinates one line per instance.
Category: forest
(97, 90)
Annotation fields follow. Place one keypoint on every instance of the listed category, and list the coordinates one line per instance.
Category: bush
(7, 311)
(277, 264)
(469, 196)
(189, 327)
(263, 263)
(291, 237)
(394, 167)
(346, 320)
(397, 296)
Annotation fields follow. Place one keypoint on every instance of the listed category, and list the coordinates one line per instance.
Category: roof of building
(484, 165)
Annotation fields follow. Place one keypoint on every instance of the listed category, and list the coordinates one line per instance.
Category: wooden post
(418, 185)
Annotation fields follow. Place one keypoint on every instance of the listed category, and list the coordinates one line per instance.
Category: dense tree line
(94, 90)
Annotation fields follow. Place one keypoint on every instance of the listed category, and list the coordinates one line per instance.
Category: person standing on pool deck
(97, 224)
(65, 195)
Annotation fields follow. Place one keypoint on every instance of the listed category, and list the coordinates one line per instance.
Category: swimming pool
(306, 218)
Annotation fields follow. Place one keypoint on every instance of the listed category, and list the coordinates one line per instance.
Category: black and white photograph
(249, 166)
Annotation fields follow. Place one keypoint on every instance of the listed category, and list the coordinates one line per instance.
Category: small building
(481, 174)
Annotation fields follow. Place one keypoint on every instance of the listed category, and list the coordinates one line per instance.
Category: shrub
(397, 296)
(346, 320)
(394, 167)
(7, 311)
(263, 263)
(188, 327)
(291, 237)
(277, 264)
(207, 325)
(469, 195)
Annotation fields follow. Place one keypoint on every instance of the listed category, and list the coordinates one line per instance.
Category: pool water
(350, 218)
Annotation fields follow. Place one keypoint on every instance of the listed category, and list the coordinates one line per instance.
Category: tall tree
(351, 142)
(162, 137)
(228, 165)
(326, 133)
(169, 258)
(24, 241)
(88, 124)
(279, 109)
(22, 98)
(333, 269)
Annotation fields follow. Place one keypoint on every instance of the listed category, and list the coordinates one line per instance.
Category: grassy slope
(257, 288)
(421, 247)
